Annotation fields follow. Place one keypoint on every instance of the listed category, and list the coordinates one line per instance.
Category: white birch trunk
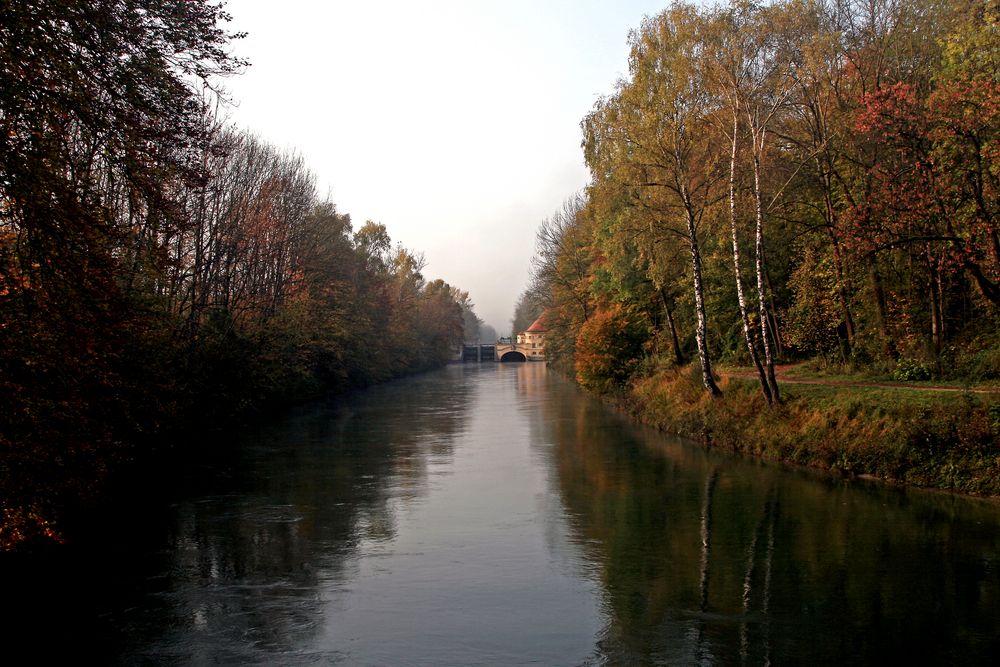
(758, 136)
(699, 302)
(747, 330)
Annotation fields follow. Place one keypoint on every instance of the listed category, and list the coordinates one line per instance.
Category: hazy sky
(456, 124)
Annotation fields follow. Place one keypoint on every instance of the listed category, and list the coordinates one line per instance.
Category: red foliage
(936, 178)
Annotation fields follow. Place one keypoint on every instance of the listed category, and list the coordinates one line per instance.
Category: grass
(841, 374)
(848, 397)
(922, 438)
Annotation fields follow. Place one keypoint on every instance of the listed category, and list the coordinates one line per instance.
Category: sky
(456, 124)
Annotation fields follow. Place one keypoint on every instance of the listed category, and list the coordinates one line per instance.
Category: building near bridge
(531, 341)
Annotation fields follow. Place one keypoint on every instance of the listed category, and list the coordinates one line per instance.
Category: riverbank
(945, 440)
(51, 495)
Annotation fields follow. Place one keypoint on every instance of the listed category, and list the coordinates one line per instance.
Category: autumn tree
(653, 139)
(561, 277)
(471, 323)
(855, 146)
(730, 67)
(527, 309)
(638, 266)
(562, 260)
(102, 116)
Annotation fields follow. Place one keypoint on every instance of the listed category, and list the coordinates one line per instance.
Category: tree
(769, 79)
(728, 63)
(814, 134)
(653, 140)
(488, 333)
(441, 325)
(472, 325)
(638, 266)
(95, 97)
(528, 308)
(561, 278)
(813, 315)
(102, 124)
(562, 260)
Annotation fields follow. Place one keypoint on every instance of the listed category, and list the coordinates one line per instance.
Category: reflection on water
(708, 559)
(492, 515)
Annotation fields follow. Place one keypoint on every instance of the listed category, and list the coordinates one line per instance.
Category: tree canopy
(805, 177)
(160, 268)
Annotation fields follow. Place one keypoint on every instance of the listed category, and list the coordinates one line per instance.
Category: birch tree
(728, 71)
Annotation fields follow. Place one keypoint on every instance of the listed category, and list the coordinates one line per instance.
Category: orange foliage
(610, 346)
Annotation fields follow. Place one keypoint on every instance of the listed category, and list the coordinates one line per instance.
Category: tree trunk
(761, 283)
(881, 312)
(989, 289)
(941, 310)
(933, 283)
(744, 317)
(699, 303)
(772, 312)
(678, 355)
(838, 264)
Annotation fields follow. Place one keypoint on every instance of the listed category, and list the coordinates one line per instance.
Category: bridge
(504, 350)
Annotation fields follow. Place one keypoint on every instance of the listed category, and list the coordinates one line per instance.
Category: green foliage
(911, 370)
(814, 315)
(972, 364)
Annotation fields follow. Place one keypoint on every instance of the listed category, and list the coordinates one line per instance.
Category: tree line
(798, 178)
(160, 267)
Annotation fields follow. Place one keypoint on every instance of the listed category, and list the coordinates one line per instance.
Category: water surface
(493, 515)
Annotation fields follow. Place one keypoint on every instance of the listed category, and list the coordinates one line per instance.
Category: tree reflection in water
(234, 559)
(705, 559)
(305, 493)
(495, 515)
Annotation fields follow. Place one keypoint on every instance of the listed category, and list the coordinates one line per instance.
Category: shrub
(911, 370)
(980, 365)
(609, 347)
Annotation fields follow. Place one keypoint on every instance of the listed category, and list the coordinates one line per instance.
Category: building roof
(538, 326)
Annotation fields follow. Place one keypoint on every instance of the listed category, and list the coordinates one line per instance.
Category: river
(494, 515)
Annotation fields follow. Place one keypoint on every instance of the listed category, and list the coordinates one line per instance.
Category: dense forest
(160, 269)
(798, 179)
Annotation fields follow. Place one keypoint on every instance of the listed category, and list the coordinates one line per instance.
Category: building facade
(531, 341)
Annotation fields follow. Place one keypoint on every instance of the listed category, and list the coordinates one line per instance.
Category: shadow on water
(706, 559)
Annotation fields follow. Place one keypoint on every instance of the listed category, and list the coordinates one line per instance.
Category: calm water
(492, 515)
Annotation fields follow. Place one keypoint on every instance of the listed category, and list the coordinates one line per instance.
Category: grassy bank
(945, 440)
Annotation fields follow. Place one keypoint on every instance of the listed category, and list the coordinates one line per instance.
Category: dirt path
(781, 373)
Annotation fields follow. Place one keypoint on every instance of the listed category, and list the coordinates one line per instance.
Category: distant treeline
(797, 178)
(159, 269)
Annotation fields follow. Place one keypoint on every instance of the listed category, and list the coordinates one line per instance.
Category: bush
(980, 365)
(911, 370)
(610, 347)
